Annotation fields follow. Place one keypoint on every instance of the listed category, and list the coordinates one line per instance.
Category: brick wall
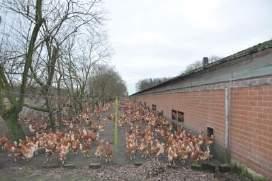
(251, 127)
(201, 109)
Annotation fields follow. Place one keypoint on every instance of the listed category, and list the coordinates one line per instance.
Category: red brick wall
(251, 127)
(201, 109)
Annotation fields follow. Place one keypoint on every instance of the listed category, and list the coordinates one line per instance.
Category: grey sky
(159, 38)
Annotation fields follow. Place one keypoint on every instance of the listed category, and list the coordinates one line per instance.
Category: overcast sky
(159, 38)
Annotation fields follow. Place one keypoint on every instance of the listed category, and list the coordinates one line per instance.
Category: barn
(230, 98)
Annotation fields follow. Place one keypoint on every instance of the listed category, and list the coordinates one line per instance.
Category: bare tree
(78, 68)
(106, 84)
(198, 64)
(147, 83)
(12, 115)
(47, 26)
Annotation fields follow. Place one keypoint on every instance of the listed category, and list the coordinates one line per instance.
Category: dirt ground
(121, 168)
(148, 171)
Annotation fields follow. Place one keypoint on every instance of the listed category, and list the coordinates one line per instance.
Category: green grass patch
(244, 173)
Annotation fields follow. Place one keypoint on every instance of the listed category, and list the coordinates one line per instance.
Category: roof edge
(249, 51)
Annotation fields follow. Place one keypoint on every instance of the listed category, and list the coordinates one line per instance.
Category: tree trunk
(30, 51)
(9, 115)
(59, 106)
(51, 72)
(50, 114)
(12, 115)
(11, 118)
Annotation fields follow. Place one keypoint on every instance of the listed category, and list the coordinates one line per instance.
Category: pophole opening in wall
(154, 107)
(209, 131)
(161, 113)
(174, 114)
(180, 116)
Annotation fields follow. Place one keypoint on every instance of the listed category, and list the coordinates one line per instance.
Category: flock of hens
(148, 134)
(151, 135)
(79, 134)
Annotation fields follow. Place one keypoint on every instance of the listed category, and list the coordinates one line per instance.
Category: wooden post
(115, 140)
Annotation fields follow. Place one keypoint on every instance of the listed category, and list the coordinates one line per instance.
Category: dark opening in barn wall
(180, 116)
(154, 107)
(174, 114)
(210, 131)
(161, 113)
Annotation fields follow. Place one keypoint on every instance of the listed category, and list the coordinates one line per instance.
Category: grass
(244, 173)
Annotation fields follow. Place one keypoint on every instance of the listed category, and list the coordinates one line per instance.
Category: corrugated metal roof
(249, 51)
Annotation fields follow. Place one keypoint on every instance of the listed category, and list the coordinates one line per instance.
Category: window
(210, 132)
(154, 107)
(174, 115)
(180, 116)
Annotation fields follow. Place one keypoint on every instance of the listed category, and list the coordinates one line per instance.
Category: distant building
(230, 98)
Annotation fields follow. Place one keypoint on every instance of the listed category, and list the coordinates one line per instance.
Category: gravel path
(150, 171)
